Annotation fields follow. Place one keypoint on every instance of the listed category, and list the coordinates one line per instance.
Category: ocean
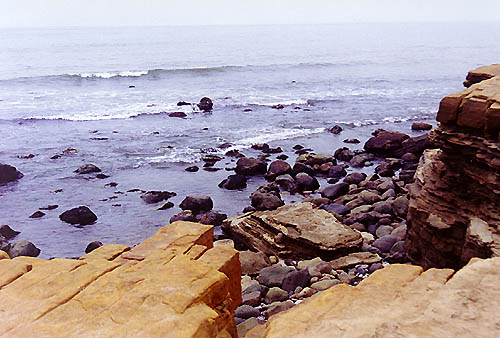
(107, 93)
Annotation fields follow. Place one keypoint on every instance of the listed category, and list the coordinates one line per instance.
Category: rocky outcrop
(481, 74)
(297, 231)
(453, 213)
(399, 301)
(174, 284)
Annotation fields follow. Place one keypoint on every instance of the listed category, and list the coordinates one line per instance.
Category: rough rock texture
(9, 173)
(296, 231)
(399, 301)
(454, 209)
(174, 284)
(81, 215)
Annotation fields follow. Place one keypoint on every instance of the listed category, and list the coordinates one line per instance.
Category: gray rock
(324, 284)
(23, 247)
(265, 201)
(383, 230)
(295, 279)
(273, 275)
(152, 197)
(246, 311)
(397, 253)
(275, 294)
(343, 154)
(400, 206)
(384, 207)
(234, 182)
(339, 209)
(253, 262)
(250, 166)
(317, 268)
(286, 182)
(385, 185)
(369, 197)
(4, 244)
(251, 298)
(361, 209)
(337, 171)
(357, 202)
(374, 267)
(400, 232)
(197, 203)
(277, 168)
(9, 173)
(278, 307)
(335, 191)
(355, 178)
(384, 244)
(388, 194)
(246, 326)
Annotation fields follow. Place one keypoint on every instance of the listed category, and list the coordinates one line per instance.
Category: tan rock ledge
(174, 284)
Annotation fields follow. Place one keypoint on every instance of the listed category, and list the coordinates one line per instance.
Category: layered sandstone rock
(399, 301)
(454, 209)
(297, 231)
(175, 284)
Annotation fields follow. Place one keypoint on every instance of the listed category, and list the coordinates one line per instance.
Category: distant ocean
(107, 93)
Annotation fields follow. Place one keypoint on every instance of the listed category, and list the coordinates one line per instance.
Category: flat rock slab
(297, 231)
(174, 277)
(399, 301)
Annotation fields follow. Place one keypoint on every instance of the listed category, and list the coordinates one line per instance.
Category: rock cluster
(454, 214)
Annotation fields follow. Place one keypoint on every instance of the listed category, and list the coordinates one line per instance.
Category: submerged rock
(152, 197)
(81, 215)
(87, 169)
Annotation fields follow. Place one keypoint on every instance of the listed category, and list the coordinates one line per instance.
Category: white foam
(109, 75)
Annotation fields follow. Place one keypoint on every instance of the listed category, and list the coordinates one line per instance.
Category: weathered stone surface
(253, 262)
(250, 166)
(297, 231)
(152, 197)
(355, 259)
(87, 169)
(81, 215)
(399, 301)
(197, 203)
(173, 277)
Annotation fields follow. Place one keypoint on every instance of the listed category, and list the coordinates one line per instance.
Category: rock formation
(399, 301)
(454, 210)
(174, 284)
(296, 231)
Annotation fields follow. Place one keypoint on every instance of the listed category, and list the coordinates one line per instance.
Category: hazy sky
(36, 13)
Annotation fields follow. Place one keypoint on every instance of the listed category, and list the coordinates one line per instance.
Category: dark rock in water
(7, 232)
(178, 114)
(211, 159)
(298, 147)
(101, 176)
(37, 214)
(352, 141)
(293, 279)
(23, 247)
(306, 182)
(334, 191)
(274, 275)
(224, 145)
(337, 171)
(355, 178)
(249, 209)
(336, 129)
(69, 151)
(183, 103)
(250, 166)
(211, 169)
(269, 150)
(265, 201)
(192, 169)
(166, 206)
(278, 168)
(152, 197)
(186, 215)
(81, 215)
(361, 160)
(421, 126)
(92, 246)
(282, 157)
(385, 243)
(131, 86)
(287, 183)
(4, 244)
(234, 153)
(26, 156)
(260, 146)
(278, 106)
(302, 168)
(205, 104)
(336, 208)
(111, 184)
(55, 157)
(344, 154)
(87, 169)
(213, 218)
(9, 173)
(246, 311)
(246, 110)
(197, 203)
(234, 182)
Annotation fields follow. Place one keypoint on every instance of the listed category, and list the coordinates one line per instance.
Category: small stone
(247, 325)
(306, 293)
(400, 206)
(374, 267)
(316, 269)
(354, 178)
(246, 311)
(37, 214)
(186, 215)
(275, 294)
(152, 197)
(324, 284)
(166, 206)
(273, 259)
(87, 169)
(400, 232)
(384, 244)
(383, 230)
(251, 298)
(50, 207)
(278, 307)
(421, 126)
(296, 279)
(336, 129)
(7, 232)
(92, 246)
(335, 191)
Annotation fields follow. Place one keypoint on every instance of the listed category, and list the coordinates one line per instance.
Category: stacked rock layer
(174, 284)
(454, 210)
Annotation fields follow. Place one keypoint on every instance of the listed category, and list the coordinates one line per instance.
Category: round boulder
(92, 246)
(335, 190)
(234, 182)
(9, 174)
(206, 104)
(306, 182)
(278, 168)
(197, 203)
(81, 215)
(23, 247)
(87, 169)
(250, 166)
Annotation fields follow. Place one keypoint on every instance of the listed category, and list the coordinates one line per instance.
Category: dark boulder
(152, 197)
(414, 145)
(352, 140)
(87, 169)
(37, 214)
(295, 278)
(234, 182)
(336, 129)
(7, 232)
(355, 178)
(421, 126)
(197, 204)
(313, 159)
(302, 168)
(50, 207)
(166, 206)
(250, 166)
(183, 103)
(337, 171)
(265, 201)
(92, 246)
(192, 169)
(306, 182)
(334, 191)
(213, 218)
(278, 168)
(384, 142)
(23, 247)
(9, 174)
(186, 216)
(206, 104)
(81, 215)
(344, 154)
(178, 114)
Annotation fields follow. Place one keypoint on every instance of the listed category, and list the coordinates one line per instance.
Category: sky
(64, 13)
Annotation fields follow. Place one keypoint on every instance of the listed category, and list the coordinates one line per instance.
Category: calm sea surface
(106, 92)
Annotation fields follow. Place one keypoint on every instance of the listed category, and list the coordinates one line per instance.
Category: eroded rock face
(399, 301)
(297, 231)
(454, 209)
